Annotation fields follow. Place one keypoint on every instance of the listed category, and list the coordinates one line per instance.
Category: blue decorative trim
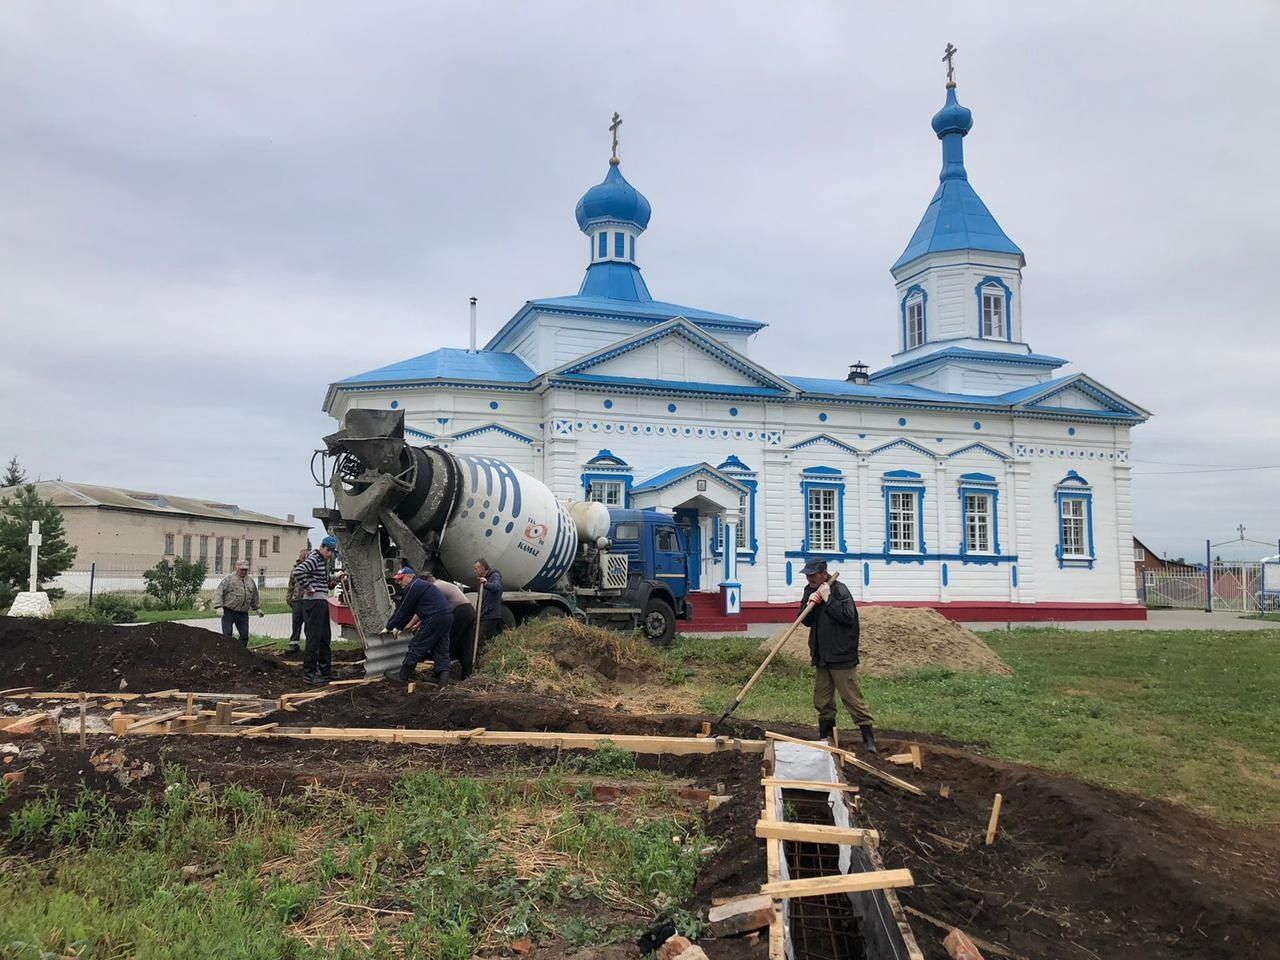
(787, 573)
(949, 354)
(1013, 571)
(904, 444)
(980, 448)
(607, 458)
(1108, 400)
(1008, 306)
(944, 574)
(619, 477)
(865, 555)
(828, 439)
(822, 478)
(420, 434)
(747, 477)
(492, 428)
(904, 481)
(1074, 487)
(924, 316)
(866, 574)
(980, 484)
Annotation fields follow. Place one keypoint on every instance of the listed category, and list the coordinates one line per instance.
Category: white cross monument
(34, 602)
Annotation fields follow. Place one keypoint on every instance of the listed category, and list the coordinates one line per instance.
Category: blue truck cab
(658, 567)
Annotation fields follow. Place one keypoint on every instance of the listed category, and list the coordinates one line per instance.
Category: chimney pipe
(473, 325)
(858, 373)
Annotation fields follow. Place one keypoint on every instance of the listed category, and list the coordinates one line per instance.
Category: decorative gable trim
(978, 448)
(905, 444)
(492, 428)
(826, 438)
(685, 329)
(1090, 388)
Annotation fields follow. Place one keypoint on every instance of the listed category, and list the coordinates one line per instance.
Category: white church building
(970, 474)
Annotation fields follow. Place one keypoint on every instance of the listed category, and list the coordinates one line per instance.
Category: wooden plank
(822, 786)
(773, 859)
(995, 819)
(262, 728)
(222, 713)
(814, 833)
(839, 883)
(899, 759)
(916, 760)
(161, 694)
(852, 760)
(84, 708)
(148, 721)
(68, 695)
(15, 690)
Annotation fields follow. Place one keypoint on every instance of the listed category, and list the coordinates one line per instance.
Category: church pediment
(675, 352)
(1079, 393)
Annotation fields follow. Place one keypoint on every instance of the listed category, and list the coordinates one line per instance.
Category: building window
(1139, 555)
(204, 549)
(608, 492)
(604, 244)
(632, 258)
(915, 324)
(262, 549)
(993, 314)
(186, 547)
(235, 551)
(248, 549)
(217, 555)
(821, 511)
(977, 523)
(168, 544)
(903, 516)
(620, 245)
(275, 544)
(1075, 521)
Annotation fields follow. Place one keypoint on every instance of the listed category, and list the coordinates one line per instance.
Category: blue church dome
(613, 199)
(952, 118)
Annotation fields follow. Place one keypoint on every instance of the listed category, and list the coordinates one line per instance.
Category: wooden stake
(706, 729)
(944, 791)
(120, 724)
(223, 714)
(839, 883)
(191, 704)
(995, 819)
(84, 708)
(916, 760)
(835, 737)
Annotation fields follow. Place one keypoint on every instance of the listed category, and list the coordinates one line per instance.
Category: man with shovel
(833, 650)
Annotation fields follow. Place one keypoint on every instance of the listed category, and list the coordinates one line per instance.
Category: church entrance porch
(698, 494)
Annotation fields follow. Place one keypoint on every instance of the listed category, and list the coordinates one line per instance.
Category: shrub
(115, 607)
(175, 584)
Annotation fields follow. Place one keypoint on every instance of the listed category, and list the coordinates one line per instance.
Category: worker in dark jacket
(431, 641)
(314, 582)
(833, 650)
(489, 582)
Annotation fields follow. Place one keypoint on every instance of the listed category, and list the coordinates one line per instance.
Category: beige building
(127, 531)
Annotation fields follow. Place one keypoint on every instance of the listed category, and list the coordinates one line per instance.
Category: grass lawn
(1190, 716)
(438, 866)
(165, 616)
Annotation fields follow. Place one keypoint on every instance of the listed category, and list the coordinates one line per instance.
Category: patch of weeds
(34, 821)
(582, 932)
(604, 760)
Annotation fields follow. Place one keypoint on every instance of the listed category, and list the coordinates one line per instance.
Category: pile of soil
(69, 655)
(1076, 871)
(896, 639)
(613, 655)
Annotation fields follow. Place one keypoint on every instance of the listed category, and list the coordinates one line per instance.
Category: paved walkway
(274, 625)
(1156, 620)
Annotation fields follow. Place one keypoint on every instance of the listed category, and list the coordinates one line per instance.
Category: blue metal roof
(655, 311)
(614, 281)
(613, 199)
(450, 363)
(956, 218)
(675, 474)
(948, 354)
(668, 386)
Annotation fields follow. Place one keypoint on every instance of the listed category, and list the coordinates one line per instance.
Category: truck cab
(656, 552)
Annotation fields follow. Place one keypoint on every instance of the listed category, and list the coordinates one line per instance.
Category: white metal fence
(272, 584)
(1236, 588)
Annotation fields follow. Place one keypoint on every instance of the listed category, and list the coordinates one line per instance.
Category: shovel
(786, 635)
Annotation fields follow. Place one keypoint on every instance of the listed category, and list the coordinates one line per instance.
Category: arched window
(914, 330)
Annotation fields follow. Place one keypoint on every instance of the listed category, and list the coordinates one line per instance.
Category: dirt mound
(69, 655)
(894, 639)
(613, 654)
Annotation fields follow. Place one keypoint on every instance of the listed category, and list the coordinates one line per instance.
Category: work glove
(219, 609)
(259, 613)
(823, 593)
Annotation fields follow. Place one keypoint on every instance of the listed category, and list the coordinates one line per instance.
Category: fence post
(1208, 577)
(93, 567)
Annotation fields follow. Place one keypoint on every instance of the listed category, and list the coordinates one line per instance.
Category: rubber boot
(314, 679)
(293, 648)
(398, 675)
(441, 679)
(868, 739)
(825, 729)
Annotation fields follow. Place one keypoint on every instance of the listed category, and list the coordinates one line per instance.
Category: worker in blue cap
(314, 581)
(833, 651)
(423, 600)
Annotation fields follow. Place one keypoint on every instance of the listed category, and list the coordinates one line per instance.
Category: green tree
(175, 583)
(14, 475)
(56, 555)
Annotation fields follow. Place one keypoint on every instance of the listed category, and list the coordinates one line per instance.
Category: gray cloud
(211, 211)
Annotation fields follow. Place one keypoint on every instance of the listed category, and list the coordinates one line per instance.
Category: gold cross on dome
(951, 67)
(613, 128)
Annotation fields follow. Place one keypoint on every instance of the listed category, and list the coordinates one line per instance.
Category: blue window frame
(747, 542)
(903, 516)
(620, 245)
(632, 258)
(604, 243)
(979, 518)
(606, 478)
(822, 495)
(993, 308)
(1074, 499)
(915, 320)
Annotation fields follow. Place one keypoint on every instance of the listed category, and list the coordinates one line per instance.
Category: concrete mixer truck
(440, 511)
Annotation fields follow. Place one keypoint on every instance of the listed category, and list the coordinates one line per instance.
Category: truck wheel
(550, 612)
(659, 623)
(508, 618)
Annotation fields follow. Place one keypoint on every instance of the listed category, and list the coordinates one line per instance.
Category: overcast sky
(209, 211)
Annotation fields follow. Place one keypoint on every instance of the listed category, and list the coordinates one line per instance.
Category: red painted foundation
(973, 611)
